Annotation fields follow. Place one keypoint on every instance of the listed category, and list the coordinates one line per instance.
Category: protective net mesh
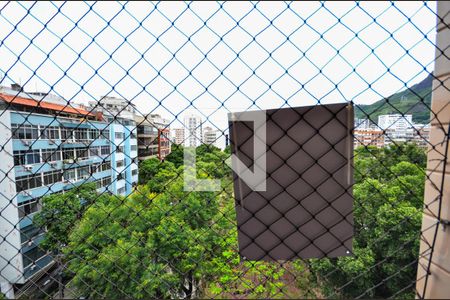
(100, 101)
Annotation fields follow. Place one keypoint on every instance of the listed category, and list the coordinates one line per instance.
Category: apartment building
(147, 138)
(210, 136)
(369, 137)
(163, 143)
(119, 114)
(391, 129)
(421, 135)
(163, 126)
(396, 122)
(178, 136)
(48, 147)
(193, 130)
(153, 134)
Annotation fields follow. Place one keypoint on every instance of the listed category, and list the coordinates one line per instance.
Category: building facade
(147, 138)
(397, 122)
(178, 136)
(153, 134)
(391, 129)
(193, 130)
(50, 147)
(120, 115)
(369, 137)
(210, 136)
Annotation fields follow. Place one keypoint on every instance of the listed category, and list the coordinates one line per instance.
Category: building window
(32, 256)
(134, 172)
(50, 155)
(83, 172)
(104, 134)
(70, 175)
(105, 150)
(106, 181)
(67, 134)
(50, 133)
(26, 157)
(28, 232)
(52, 177)
(133, 147)
(121, 191)
(119, 163)
(105, 166)
(103, 182)
(82, 153)
(95, 168)
(28, 182)
(28, 207)
(81, 134)
(120, 149)
(94, 134)
(68, 153)
(25, 132)
(119, 135)
(94, 151)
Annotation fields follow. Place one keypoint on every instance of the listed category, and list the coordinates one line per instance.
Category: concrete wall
(433, 274)
(10, 259)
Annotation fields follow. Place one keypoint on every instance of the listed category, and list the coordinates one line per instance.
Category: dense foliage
(165, 242)
(388, 195)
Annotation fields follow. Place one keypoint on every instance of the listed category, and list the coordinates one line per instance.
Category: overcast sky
(180, 55)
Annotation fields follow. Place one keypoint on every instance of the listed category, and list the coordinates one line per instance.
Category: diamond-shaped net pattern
(99, 101)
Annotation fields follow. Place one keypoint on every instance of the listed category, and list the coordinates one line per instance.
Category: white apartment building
(210, 136)
(193, 130)
(396, 122)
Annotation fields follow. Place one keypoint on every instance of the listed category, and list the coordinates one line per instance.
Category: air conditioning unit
(26, 143)
(54, 164)
(68, 161)
(30, 243)
(33, 267)
(28, 168)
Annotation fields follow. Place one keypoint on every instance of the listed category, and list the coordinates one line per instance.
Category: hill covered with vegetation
(415, 100)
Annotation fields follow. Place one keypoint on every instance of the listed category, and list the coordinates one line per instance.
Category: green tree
(148, 169)
(176, 156)
(147, 245)
(61, 212)
(59, 215)
(388, 193)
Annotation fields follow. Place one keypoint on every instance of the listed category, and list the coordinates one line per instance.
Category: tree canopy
(163, 242)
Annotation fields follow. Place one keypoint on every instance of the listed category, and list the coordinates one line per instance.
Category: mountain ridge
(414, 100)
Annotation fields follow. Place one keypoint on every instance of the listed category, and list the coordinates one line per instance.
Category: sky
(211, 58)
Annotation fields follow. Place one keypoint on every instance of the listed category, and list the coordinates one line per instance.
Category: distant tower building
(394, 121)
(397, 127)
(362, 124)
(178, 136)
(193, 130)
(210, 136)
